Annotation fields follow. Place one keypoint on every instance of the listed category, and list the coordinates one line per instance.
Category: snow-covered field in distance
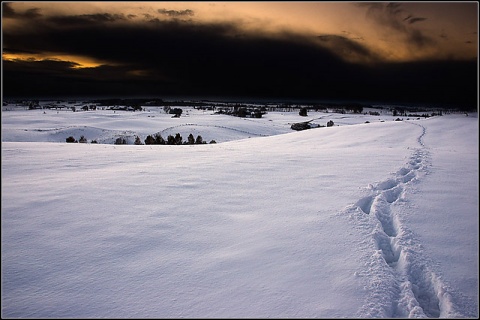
(105, 125)
(376, 219)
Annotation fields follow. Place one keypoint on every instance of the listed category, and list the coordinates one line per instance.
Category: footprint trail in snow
(407, 287)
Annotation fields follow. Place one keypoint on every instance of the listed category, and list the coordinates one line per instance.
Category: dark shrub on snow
(170, 140)
(300, 126)
(199, 140)
(178, 139)
(149, 140)
(190, 139)
(120, 140)
(176, 111)
(159, 139)
(138, 141)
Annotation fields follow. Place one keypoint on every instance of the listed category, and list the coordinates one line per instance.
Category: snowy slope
(353, 220)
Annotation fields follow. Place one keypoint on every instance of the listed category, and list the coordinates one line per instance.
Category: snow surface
(376, 219)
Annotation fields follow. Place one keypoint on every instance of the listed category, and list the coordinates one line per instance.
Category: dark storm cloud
(186, 58)
(198, 58)
(349, 48)
(176, 13)
(16, 51)
(9, 12)
(348, 44)
(86, 19)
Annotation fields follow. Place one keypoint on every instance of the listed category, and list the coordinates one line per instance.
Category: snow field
(327, 222)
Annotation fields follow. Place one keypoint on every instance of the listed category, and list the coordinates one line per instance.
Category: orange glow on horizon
(79, 62)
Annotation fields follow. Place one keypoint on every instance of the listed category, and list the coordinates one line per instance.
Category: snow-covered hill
(376, 219)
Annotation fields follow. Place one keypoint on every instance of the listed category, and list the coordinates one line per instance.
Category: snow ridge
(408, 287)
(211, 126)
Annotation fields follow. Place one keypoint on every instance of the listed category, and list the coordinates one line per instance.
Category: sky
(358, 220)
(398, 51)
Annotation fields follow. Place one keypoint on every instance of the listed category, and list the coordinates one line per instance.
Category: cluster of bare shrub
(172, 140)
(151, 139)
(82, 139)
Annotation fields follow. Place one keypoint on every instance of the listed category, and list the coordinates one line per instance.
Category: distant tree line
(355, 107)
(398, 111)
(243, 111)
